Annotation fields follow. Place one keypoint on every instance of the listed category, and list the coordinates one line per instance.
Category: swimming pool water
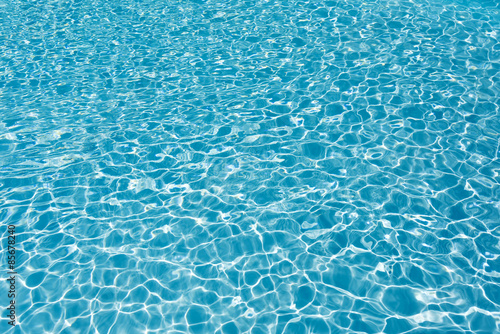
(251, 166)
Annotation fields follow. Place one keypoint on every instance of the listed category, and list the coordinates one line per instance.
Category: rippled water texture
(251, 166)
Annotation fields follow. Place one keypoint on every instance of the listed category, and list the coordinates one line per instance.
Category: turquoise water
(251, 166)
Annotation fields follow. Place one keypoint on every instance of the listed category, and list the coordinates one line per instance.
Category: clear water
(251, 166)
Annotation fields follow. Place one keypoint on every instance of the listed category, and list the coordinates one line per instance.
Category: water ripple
(267, 167)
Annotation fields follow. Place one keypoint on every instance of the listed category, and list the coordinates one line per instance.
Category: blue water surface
(252, 167)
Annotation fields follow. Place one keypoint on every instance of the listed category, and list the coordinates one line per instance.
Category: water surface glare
(251, 167)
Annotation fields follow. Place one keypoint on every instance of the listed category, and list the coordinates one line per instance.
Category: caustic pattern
(251, 166)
